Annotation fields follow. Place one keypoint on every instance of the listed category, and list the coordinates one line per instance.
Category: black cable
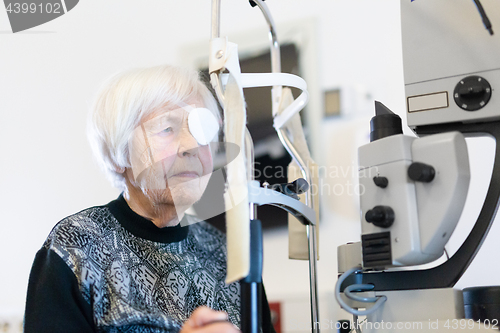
(486, 21)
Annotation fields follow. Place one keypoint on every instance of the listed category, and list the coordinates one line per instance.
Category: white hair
(125, 99)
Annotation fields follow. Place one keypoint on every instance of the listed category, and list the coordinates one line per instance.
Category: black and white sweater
(108, 269)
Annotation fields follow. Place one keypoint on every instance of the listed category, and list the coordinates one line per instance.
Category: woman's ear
(120, 169)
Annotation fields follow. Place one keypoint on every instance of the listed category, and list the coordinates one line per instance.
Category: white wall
(48, 76)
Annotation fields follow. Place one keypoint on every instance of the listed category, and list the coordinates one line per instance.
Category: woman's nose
(188, 146)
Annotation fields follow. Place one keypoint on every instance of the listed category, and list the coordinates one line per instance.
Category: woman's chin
(185, 195)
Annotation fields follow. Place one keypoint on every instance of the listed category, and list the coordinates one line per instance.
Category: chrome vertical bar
(215, 33)
(275, 53)
(311, 229)
(215, 18)
(250, 168)
(273, 37)
(311, 233)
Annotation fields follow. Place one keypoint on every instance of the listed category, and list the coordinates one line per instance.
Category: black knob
(343, 326)
(381, 181)
(421, 172)
(292, 189)
(472, 93)
(381, 216)
(385, 123)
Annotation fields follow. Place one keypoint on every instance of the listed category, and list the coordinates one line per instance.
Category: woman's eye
(166, 131)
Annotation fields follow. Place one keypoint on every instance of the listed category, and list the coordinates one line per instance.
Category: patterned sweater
(107, 269)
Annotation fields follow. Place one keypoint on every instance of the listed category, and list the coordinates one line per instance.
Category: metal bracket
(265, 196)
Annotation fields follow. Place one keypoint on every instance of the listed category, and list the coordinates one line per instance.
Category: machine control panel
(472, 93)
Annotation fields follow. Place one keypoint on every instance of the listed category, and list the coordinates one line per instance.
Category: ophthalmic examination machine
(415, 187)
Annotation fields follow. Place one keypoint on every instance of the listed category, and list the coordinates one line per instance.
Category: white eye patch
(157, 138)
(203, 125)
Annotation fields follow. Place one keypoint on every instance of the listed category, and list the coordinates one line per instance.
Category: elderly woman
(139, 263)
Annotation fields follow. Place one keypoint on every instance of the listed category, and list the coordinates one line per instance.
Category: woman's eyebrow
(162, 119)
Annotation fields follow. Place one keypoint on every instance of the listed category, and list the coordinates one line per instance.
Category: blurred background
(348, 51)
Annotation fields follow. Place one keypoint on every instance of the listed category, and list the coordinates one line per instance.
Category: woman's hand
(206, 320)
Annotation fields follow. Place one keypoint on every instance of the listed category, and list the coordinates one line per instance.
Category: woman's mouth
(187, 174)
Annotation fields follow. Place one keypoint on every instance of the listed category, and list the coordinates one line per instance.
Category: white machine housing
(425, 213)
(444, 42)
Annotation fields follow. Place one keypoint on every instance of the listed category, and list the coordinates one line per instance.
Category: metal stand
(251, 286)
(305, 214)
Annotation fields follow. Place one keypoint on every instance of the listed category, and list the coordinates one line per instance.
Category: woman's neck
(163, 214)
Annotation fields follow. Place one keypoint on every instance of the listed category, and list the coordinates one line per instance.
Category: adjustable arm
(264, 196)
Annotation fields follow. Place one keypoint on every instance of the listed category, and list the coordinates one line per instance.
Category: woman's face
(168, 164)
